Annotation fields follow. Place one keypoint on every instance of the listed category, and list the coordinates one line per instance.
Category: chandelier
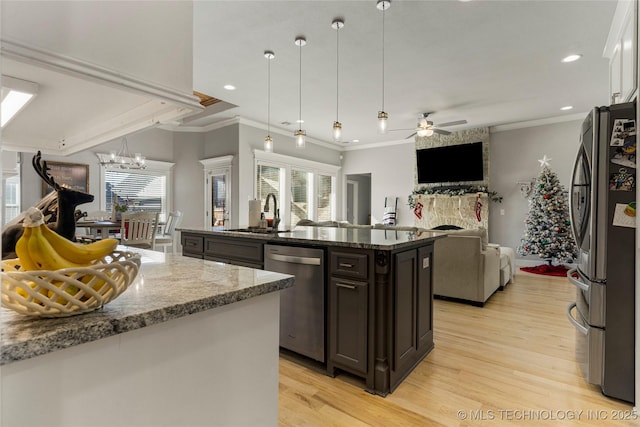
(123, 159)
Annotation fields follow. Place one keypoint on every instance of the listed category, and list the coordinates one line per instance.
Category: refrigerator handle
(577, 283)
(579, 327)
(576, 237)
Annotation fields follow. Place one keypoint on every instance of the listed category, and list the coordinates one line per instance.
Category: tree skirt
(547, 270)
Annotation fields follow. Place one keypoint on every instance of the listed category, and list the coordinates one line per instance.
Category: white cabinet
(621, 49)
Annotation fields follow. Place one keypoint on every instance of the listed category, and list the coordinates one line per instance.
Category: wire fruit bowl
(69, 291)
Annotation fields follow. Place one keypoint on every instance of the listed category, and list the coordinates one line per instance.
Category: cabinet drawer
(235, 249)
(192, 244)
(349, 264)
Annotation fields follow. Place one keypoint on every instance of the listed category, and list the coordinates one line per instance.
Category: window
(11, 198)
(300, 195)
(326, 197)
(143, 190)
(304, 189)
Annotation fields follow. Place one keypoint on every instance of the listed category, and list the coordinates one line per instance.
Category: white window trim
(288, 163)
(154, 167)
(303, 164)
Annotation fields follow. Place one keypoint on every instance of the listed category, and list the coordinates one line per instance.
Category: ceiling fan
(427, 128)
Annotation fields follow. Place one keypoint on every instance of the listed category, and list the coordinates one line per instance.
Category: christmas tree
(547, 226)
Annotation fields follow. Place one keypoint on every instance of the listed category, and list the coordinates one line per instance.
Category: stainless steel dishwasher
(302, 324)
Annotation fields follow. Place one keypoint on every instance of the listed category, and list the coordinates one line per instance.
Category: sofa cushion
(480, 232)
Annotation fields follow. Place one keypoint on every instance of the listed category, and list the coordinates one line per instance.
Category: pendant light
(300, 134)
(268, 142)
(382, 116)
(337, 126)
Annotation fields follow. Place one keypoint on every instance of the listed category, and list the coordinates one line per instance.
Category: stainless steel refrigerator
(602, 206)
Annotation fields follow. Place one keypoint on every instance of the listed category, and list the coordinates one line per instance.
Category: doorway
(358, 198)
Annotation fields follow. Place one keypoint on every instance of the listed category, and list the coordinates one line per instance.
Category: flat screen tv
(450, 163)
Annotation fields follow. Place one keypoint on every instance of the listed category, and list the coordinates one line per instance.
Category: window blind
(325, 197)
(141, 191)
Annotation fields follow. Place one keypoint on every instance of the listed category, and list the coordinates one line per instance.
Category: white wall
(514, 157)
(188, 177)
(392, 175)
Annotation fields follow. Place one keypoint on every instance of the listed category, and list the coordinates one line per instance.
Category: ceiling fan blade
(457, 122)
(441, 131)
(410, 136)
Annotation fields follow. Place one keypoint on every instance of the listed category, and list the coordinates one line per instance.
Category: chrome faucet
(276, 211)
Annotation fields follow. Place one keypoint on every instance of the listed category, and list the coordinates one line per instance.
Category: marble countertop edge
(95, 328)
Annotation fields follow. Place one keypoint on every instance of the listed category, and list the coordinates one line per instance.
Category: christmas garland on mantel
(454, 191)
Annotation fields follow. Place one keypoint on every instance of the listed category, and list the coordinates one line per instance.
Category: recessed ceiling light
(299, 121)
(571, 58)
(356, 140)
(229, 87)
(567, 107)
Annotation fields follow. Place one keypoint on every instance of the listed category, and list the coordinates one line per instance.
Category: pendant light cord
(300, 101)
(268, 97)
(383, 12)
(337, 68)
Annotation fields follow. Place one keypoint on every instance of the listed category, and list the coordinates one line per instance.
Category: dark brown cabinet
(379, 312)
(192, 245)
(233, 250)
(348, 310)
(412, 311)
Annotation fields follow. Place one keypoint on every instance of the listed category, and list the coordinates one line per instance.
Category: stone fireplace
(468, 210)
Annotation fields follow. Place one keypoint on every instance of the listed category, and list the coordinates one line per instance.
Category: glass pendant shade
(382, 122)
(429, 132)
(268, 144)
(337, 131)
(300, 138)
(422, 132)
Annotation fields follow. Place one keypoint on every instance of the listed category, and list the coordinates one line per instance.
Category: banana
(22, 250)
(44, 256)
(76, 252)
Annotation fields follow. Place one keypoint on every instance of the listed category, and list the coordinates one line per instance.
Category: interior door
(217, 211)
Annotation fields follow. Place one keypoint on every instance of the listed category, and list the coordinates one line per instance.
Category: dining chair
(138, 229)
(167, 238)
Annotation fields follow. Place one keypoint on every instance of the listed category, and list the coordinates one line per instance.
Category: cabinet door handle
(346, 265)
(344, 285)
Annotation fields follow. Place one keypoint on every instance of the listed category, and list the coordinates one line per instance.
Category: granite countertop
(167, 287)
(363, 238)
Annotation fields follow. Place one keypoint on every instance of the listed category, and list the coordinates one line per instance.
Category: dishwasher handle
(295, 259)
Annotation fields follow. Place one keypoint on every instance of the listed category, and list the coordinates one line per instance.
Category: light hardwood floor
(509, 363)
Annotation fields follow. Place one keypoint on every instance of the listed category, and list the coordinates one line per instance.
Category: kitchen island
(191, 342)
(378, 316)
